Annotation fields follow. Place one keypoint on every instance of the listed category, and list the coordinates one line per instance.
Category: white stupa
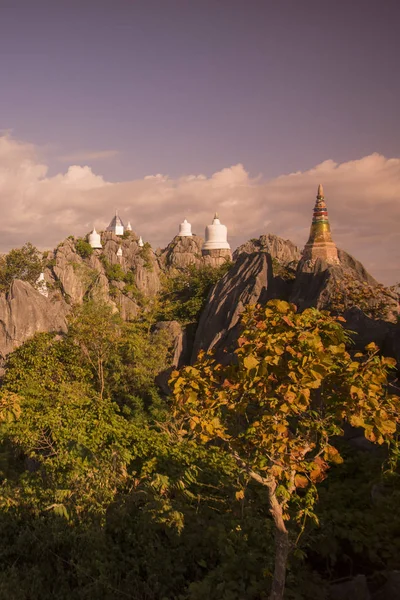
(140, 242)
(216, 236)
(119, 251)
(185, 229)
(95, 239)
(129, 226)
(116, 225)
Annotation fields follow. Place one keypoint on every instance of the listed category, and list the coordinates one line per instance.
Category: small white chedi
(140, 242)
(216, 236)
(95, 239)
(185, 229)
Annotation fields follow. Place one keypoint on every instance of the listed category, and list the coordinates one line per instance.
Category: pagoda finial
(216, 216)
(320, 193)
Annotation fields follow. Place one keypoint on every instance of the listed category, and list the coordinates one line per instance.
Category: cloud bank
(363, 199)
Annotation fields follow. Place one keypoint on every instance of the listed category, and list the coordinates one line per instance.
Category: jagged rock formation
(370, 309)
(284, 251)
(94, 277)
(338, 287)
(182, 252)
(24, 312)
(77, 277)
(245, 283)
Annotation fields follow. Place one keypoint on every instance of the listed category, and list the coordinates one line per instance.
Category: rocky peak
(182, 252)
(284, 251)
(245, 283)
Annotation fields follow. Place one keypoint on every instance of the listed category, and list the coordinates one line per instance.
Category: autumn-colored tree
(279, 408)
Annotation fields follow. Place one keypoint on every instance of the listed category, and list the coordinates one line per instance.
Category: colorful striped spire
(320, 243)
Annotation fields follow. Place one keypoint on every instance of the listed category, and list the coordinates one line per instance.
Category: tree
(95, 330)
(184, 295)
(280, 407)
(20, 263)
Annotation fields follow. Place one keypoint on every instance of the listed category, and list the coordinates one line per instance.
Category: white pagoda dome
(216, 236)
(116, 225)
(140, 242)
(94, 239)
(185, 229)
(119, 251)
(129, 226)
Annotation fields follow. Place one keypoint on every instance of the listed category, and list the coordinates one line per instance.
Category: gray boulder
(24, 312)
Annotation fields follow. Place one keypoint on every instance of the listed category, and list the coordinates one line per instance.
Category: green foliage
(20, 263)
(83, 248)
(146, 253)
(183, 296)
(105, 493)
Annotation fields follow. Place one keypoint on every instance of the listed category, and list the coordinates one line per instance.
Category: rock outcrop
(284, 251)
(341, 287)
(24, 312)
(245, 283)
(181, 253)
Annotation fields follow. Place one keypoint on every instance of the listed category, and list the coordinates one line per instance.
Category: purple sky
(193, 86)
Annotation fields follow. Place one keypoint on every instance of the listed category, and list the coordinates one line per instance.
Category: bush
(183, 296)
(83, 248)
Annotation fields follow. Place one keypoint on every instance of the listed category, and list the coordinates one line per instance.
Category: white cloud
(363, 198)
(83, 156)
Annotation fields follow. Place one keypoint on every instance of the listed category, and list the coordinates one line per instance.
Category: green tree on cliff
(279, 408)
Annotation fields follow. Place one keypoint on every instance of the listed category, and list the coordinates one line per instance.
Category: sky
(167, 109)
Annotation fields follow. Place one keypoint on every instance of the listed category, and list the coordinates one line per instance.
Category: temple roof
(115, 222)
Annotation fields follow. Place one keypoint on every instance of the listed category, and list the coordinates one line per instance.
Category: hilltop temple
(320, 243)
(216, 247)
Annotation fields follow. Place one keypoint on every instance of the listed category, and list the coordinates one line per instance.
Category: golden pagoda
(320, 243)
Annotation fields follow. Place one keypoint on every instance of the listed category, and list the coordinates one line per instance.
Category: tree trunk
(281, 548)
(281, 533)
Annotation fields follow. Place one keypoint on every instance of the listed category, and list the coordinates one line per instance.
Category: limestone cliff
(24, 312)
(370, 310)
(245, 283)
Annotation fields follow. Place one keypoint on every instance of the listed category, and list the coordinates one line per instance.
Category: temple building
(185, 229)
(95, 239)
(216, 240)
(320, 243)
(116, 225)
